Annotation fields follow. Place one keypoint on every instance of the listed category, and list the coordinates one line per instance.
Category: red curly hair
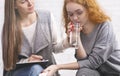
(95, 14)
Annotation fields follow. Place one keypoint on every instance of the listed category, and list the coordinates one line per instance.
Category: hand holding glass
(74, 35)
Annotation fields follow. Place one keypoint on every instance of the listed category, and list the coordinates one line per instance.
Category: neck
(88, 27)
(27, 20)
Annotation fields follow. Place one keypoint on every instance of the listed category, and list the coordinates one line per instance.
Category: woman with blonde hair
(27, 37)
(97, 53)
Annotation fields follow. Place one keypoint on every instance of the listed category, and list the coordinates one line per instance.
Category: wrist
(28, 59)
(58, 67)
(66, 42)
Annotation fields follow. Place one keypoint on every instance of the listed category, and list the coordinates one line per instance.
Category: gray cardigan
(101, 47)
(44, 42)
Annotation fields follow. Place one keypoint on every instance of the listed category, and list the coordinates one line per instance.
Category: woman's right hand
(73, 33)
(35, 58)
(71, 27)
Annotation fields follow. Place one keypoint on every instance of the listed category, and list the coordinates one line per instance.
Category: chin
(30, 12)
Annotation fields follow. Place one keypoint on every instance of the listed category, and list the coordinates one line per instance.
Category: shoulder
(105, 31)
(44, 16)
(41, 12)
(105, 27)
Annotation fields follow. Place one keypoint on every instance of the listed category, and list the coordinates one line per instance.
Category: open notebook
(43, 63)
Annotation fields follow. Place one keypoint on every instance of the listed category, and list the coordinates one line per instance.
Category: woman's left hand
(51, 70)
(35, 58)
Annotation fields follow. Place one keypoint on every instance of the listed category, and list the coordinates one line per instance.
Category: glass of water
(74, 35)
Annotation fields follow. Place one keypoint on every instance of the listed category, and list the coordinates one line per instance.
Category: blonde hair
(11, 36)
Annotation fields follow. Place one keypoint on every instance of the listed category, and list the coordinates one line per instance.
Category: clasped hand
(35, 58)
(73, 32)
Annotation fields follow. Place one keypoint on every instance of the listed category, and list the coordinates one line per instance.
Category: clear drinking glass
(74, 36)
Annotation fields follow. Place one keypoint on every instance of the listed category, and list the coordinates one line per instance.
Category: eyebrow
(78, 10)
(75, 10)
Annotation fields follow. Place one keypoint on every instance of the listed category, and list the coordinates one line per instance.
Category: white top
(29, 32)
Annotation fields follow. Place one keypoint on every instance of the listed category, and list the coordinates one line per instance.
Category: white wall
(55, 6)
(1, 22)
(112, 8)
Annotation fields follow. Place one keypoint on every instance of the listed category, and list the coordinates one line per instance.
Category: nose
(75, 17)
(29, 2)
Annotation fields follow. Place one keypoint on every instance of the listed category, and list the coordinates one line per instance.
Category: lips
(30, 8)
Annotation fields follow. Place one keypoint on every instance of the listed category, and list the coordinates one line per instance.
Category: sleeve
(103, 47)
(23, 60)
(57, 41)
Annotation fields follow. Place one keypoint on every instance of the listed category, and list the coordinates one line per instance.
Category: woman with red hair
(97, 53)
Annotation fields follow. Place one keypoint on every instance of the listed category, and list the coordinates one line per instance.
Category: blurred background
(111, 7)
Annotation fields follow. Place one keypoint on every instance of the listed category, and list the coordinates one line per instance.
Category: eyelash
(23, 1)
(70, 14)
(78, 13)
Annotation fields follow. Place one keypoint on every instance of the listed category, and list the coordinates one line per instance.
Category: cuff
(23, 61)
(84, 64)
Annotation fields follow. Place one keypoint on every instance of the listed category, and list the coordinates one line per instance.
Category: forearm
(80, 52)
(71, 66)
(60, 46)
(66, 43)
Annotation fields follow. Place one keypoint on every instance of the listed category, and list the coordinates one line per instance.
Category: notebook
(43, 63)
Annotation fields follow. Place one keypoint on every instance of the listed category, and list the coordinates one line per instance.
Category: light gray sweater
(44, 42)
(100, 45)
